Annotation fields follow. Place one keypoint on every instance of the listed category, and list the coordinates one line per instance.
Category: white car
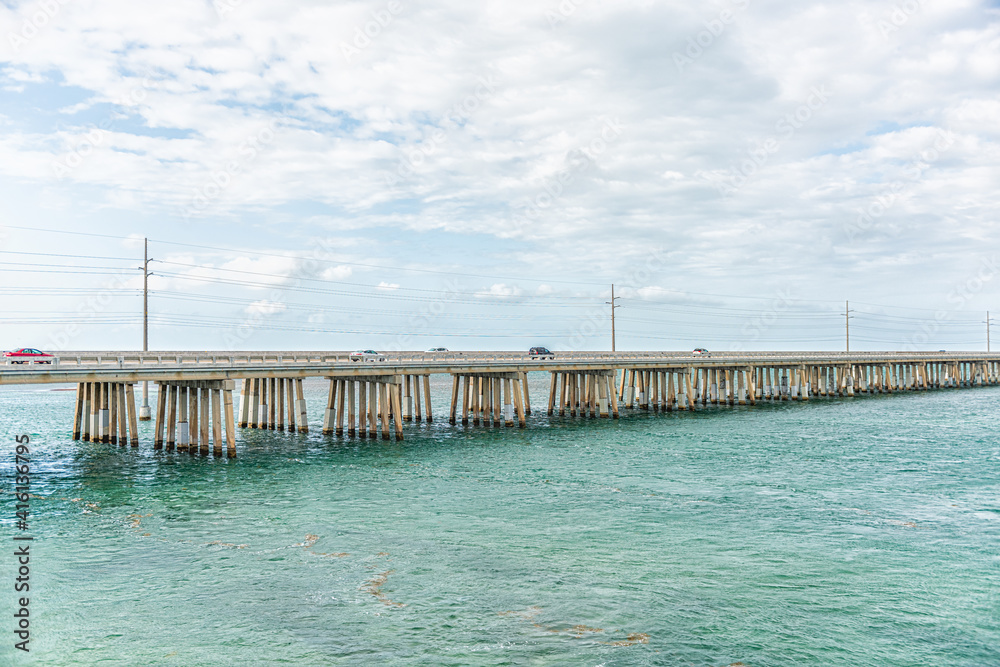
(367, 355)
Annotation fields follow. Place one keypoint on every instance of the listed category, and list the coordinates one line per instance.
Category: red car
(27, 355)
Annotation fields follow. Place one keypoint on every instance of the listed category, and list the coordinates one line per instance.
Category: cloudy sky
(401, 175)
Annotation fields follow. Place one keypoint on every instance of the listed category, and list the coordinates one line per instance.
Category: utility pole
(847, 323)
(987, 331)
(145, 414)
(613, 306)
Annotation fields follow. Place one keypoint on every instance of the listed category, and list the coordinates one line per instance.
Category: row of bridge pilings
(685, 388)
(365, 407)
(190, 416)
(486, 399)
(105, 412)
(200, 416)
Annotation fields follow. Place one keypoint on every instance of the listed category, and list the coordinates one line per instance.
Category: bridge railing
(209, 359)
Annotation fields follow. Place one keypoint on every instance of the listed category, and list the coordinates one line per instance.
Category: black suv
(540, 353)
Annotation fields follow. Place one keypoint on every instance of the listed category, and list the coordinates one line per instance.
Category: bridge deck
(127, 367)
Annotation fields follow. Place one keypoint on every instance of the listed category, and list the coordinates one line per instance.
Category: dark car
(541, 353)
(27, 355)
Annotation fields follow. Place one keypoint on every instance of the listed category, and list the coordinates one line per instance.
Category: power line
(338, 282)
(381, 267)
(65, 231)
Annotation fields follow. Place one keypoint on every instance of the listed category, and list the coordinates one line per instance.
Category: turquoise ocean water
(859, 531)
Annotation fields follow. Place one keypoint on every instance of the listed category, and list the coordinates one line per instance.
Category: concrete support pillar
(216, 395)
(300, 407)
(132, 417)
(161, 406)
(383, 398)
(330, 414)
(508, 403)
(227, 405)
(183, 427)
(614, 399)
(245, 401)
(171, 416)
(466, 397)
(193, 416)
(352, 392)
(205, 417)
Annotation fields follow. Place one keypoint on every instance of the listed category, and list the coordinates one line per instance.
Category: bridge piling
(339, 423)
(394, 395)
(330, 415)
(205, 410)
(417, 380)
(362, 410)
(183, 426)
(133, 418)
(383, 397)
(159, 424)
(497, 403)
(193, 417)
(113, 413)
(171, 416)
(216, 423)
(300, 407)
(352, 390)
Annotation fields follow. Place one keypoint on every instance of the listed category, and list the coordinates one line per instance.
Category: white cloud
(337, 273)
(265, 307)
(501, 290)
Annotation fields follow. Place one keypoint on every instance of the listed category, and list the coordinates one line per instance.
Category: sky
(398, 175)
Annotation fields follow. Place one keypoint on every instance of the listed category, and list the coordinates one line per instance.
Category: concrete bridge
(195, 401)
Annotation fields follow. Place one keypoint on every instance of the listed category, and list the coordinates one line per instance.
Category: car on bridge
(438, 349)
(367, 355)
(541, 353)
(700, 352)
(28, 355)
